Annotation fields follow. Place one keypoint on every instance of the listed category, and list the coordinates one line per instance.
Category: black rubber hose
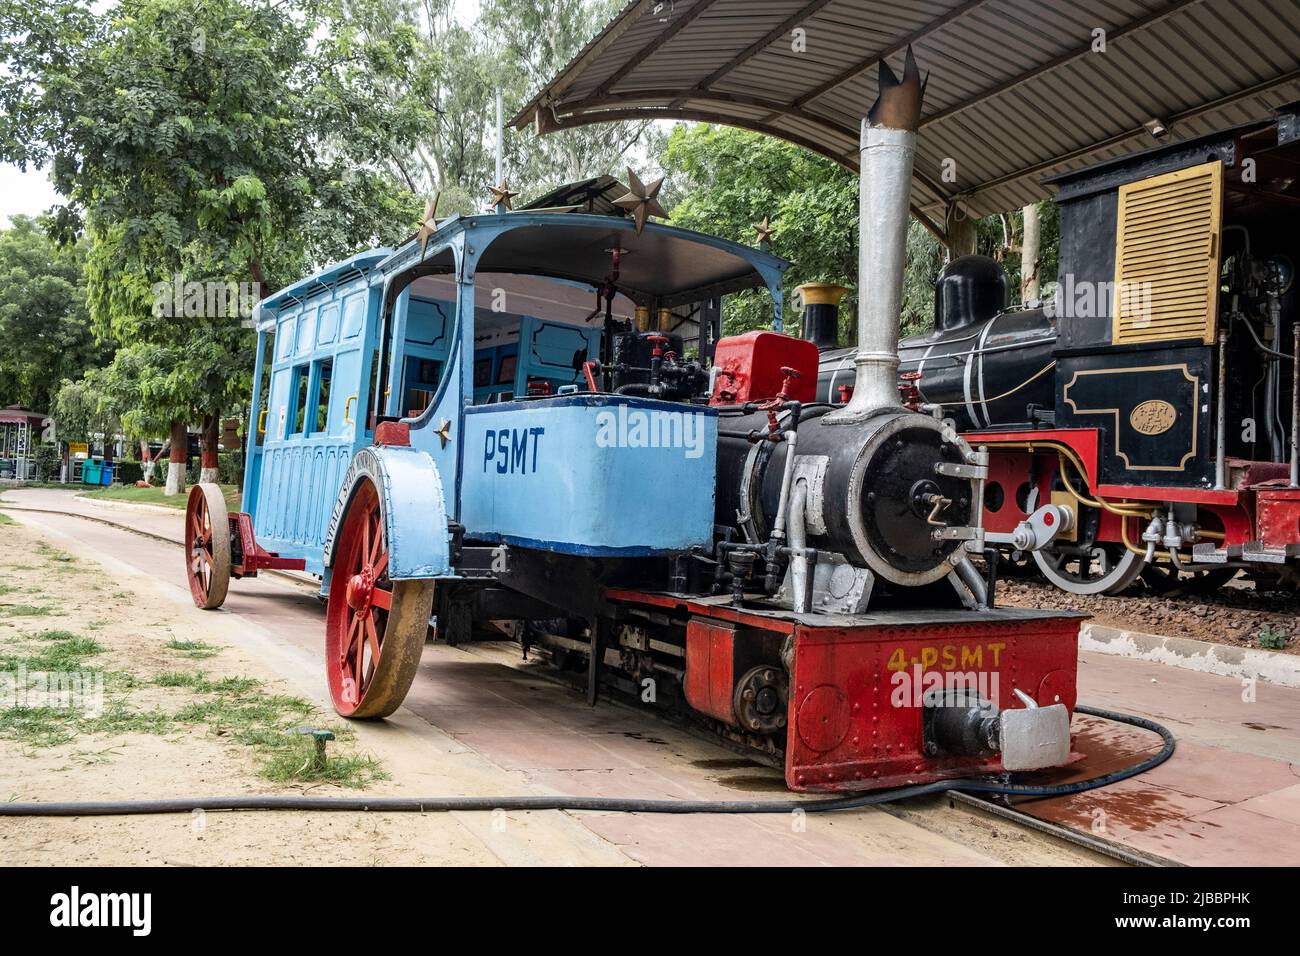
(607, 804)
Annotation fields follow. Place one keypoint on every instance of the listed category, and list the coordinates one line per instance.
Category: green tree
(723, 180)
(210, 141)
(45, 333)
(82, 409)
(534, 41)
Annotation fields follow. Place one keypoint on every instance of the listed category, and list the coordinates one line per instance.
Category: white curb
(130, 505)
(1224, 660)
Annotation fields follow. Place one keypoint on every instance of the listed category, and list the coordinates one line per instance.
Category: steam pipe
(886, 185)
(799, 570)
(888, 147)
(1273, 394)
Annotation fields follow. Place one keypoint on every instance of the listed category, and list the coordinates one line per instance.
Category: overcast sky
(28, 193)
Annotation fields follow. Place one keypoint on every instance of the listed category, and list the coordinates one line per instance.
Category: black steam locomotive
(1155, 395)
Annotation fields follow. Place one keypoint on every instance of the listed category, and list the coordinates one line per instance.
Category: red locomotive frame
(846, 729)
(1261, 511)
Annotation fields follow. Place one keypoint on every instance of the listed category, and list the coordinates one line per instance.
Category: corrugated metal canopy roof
(1015, 90)
(588, 195)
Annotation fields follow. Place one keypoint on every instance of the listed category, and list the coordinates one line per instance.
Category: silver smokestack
(885, 188)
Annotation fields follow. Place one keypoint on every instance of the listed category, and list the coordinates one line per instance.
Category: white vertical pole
(501, 136)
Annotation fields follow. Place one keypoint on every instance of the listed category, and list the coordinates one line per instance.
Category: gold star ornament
(501, 195)
(641, 200)
(764, 230)
(428, 222)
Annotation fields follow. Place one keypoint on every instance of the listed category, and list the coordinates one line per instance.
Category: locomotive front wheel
(1104, 569)
(207, 545)
(374, 627)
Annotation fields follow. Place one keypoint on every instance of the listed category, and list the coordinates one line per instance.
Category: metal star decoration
(764, 230)
(428, 222)
(641, 200)
(443, 432)
(501, 195)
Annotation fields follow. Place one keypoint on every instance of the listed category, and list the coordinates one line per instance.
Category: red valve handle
(909, 392)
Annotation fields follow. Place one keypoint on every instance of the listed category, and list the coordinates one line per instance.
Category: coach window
(324, 372)
(264, 395)
(298, 391)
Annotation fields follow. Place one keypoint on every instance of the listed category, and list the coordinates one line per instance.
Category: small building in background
(22, 430)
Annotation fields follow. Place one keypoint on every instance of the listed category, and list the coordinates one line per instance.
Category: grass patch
(155, 496)
(195, 650)
(48, 726)
(296, 763)
(198, 681)
(24, 610)
(237, 710)
(57, 636)
(190, 679)
(63, 653)
(54, 554)
(39, 726)
(5, 519)
(229, 707)
(62, 561)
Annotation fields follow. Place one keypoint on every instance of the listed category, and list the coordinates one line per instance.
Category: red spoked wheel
(207, 545)
(374, 627)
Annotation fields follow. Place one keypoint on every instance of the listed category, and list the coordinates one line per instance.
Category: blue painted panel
(546, 351)
(572, 474)
(328, 327)
(284, 337)
(300, 471)
(354, 315)
(427, 323)
(306, 331)
(344, 414)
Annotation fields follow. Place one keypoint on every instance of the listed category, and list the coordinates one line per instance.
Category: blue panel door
(316, 418)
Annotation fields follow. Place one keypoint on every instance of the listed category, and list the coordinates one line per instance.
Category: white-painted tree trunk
(1029, 247)
(175, 478)
(208, 475)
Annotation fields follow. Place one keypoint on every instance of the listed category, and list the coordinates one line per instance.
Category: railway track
(991, 824)
(296, 579)
(1232, 615)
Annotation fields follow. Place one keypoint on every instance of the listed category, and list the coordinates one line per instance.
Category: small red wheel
(374, 627)
(207, 546)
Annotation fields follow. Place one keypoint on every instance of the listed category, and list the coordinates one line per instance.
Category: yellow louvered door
(1167, 257)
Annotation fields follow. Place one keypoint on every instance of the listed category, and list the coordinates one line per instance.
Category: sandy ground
(130, 622)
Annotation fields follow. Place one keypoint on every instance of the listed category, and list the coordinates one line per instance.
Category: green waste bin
(92, 472)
